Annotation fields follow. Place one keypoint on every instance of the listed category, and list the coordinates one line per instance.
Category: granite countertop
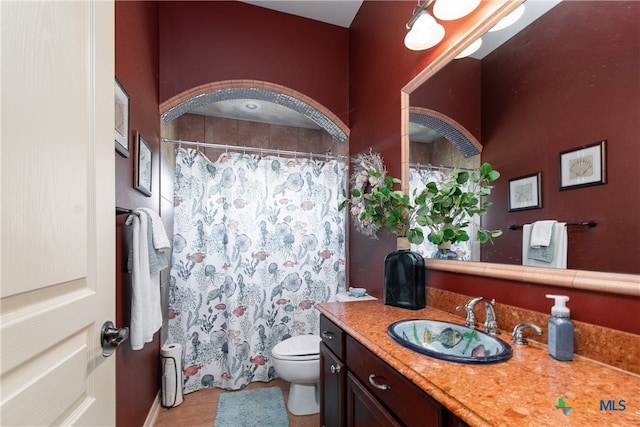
(520, 391)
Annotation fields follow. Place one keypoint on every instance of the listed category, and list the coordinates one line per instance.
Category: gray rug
(252, 408)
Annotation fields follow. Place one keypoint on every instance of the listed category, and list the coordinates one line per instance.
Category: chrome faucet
(490, 322)
(517, 336)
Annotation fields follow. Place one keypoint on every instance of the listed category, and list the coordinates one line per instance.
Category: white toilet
(297, 360)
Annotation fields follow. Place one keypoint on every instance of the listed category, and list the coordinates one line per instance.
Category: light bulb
(425, 33)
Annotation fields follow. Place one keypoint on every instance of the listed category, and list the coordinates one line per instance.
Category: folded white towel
(160, 239)
(157, 241)
(559, 247)
(541, 233)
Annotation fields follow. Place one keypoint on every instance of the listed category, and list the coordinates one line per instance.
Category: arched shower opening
(258, 241)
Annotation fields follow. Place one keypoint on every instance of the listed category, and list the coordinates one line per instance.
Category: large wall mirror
(485, 120)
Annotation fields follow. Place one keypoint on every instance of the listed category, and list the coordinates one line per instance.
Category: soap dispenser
(560, 330)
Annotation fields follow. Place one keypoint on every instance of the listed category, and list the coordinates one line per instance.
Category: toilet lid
(301, 347)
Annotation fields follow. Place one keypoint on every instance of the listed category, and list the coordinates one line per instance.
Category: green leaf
(415, 236)
(493, 175)
(462, 177)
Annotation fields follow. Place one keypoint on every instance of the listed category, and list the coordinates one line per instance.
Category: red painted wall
(460, 80)
(137, 372)
(539, 101)
(208, 41)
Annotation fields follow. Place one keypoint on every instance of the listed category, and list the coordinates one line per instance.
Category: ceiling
(336, 12)
(342, 13)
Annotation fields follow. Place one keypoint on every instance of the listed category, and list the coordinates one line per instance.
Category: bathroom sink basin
(449, 341)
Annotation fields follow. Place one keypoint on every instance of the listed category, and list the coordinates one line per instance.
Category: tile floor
(199, 408)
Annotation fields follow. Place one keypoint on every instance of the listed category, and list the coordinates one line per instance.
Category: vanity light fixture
(449, 10)
(509, 19)
(424, 31)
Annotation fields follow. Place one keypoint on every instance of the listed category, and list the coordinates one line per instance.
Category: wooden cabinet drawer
(401, 397)
(332, 336)
(364, 410)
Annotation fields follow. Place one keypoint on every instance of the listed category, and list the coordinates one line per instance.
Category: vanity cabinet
(360, 389)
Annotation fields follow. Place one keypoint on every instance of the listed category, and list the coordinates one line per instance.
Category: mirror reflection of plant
(445, 208)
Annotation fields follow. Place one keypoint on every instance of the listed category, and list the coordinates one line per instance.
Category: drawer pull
(376, 385)
(328, 335)
(335, 369)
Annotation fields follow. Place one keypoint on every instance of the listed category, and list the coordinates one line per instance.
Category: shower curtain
(418, 178)
(258, 241)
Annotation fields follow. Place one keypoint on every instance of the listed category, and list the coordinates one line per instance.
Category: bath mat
(252, 408)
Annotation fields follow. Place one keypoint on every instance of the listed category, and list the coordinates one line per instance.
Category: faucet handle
(517, 336)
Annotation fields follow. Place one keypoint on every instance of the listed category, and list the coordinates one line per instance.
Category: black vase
(405, 279)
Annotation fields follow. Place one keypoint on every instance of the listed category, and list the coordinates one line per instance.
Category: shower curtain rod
(326, 156)
(429, 166)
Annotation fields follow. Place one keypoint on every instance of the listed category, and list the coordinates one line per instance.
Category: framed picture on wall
(121, 120)
(525, 192)
(583, 166)
(142, 169)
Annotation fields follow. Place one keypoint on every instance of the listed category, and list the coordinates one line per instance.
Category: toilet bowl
(297, 361)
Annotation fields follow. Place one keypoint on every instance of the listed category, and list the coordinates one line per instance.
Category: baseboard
(152, 416)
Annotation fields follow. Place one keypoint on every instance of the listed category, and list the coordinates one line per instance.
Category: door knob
(111, 337)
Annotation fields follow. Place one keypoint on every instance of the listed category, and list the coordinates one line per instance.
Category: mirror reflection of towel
(541, 233)
(542, 253)
(559, 259)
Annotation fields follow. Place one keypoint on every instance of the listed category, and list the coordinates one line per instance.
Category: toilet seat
(298, 348)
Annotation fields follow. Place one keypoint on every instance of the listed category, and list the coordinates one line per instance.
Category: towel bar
(122, 211)
(589, 224)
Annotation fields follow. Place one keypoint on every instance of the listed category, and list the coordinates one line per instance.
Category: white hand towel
(146, 314)
(541, 233)
(160, 238)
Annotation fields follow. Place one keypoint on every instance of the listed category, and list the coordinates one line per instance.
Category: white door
(57, 242)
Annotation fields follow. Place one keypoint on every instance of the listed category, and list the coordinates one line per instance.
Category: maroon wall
(568, 80)
(209, 41)
(137, 372)
(460, 79)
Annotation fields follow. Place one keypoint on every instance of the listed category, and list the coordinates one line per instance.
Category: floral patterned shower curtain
(258, 241)
(418, 179)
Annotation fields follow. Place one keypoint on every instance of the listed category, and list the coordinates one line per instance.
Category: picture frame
(583, 166)
(142, 166)
(121, 124)
(525, 192)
